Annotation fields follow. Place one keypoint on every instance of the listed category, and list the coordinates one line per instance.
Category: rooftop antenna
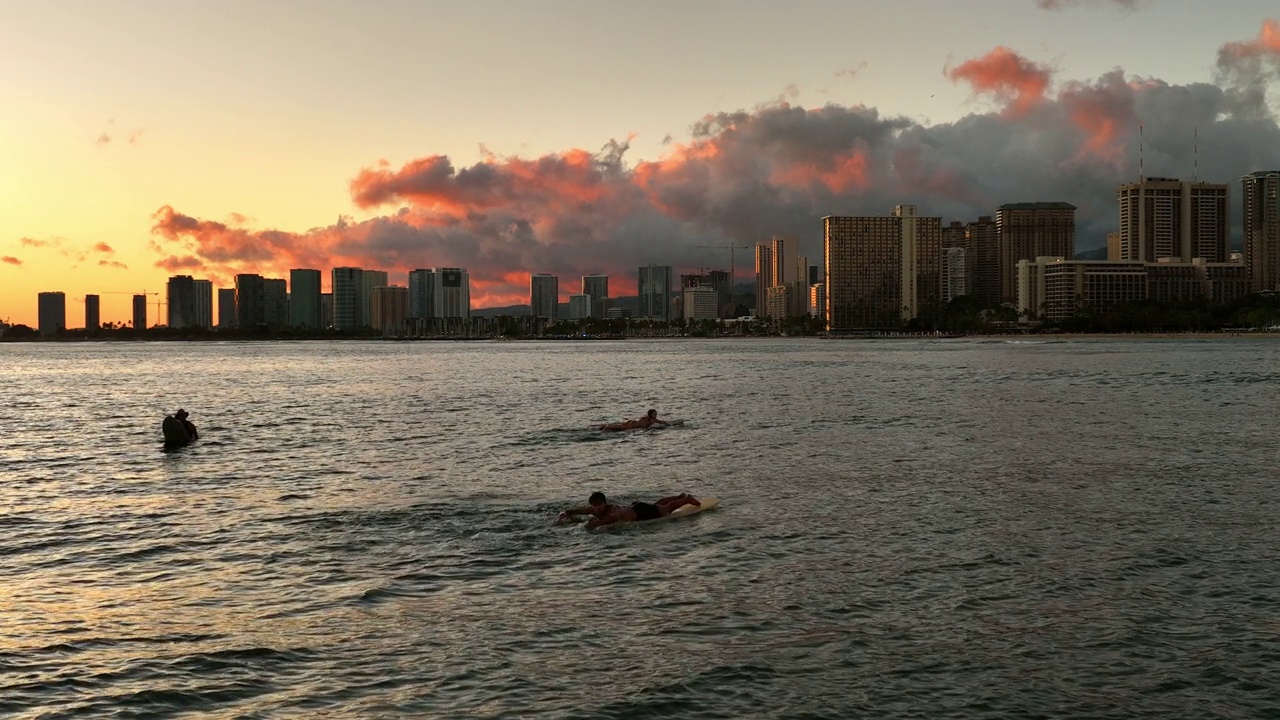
(1195, 155)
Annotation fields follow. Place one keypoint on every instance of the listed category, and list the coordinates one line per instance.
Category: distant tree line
(1256, 311)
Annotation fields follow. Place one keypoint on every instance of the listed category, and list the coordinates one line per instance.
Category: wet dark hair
(653, 412)
(597, 498)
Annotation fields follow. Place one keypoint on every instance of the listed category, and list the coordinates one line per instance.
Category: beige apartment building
(1054, 288)
(1032, 230)
(1262, 229)
(880, 270)
(1170, 218)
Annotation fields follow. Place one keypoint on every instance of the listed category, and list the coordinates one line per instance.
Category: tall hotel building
(139, 312)
(654, 288)
(597, 286)
(1167, 218)
(956, 262)
(275, 302)
(226, 307)
(439, 293)
(181, 296)
(764, 277)
(92, 314)
(880, 270)
(1031, 230)
(204, 302)
(51, 311)
(983, 247)
(544, 296)
(304, 298)
(1262, 229)
(388, 307)
(369, 279)
(348, 312)
(190, 302)
(251, 300)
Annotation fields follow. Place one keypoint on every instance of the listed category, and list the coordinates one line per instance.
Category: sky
(141, 139)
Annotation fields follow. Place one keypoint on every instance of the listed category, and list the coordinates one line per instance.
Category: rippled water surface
(985, 529)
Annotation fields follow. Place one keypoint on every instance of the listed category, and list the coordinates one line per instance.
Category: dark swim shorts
(645, 511)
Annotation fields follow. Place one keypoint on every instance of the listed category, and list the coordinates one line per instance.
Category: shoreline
(1045, 337)
(1004, 337)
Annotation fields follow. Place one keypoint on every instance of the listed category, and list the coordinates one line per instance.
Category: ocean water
(907, 529)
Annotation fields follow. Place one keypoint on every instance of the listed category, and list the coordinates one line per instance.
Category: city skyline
(1053, 96)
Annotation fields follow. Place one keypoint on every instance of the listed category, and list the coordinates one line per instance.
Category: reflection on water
(906, 529)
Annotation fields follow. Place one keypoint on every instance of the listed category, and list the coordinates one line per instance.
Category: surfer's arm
(598, 522)
(571, 513)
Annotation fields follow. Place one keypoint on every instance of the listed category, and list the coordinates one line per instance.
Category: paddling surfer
(187, 425)
(606, 513)
(649, 420)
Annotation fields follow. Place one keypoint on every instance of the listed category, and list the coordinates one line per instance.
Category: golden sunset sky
(143, 139)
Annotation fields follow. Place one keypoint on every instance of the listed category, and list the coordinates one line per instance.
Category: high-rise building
(51, 311)
(718, 280)
(275, 302)
(421, 294)
(439, 293)
(226, 308)
(251, 301)
(783, 251)
(956, 236)
(813, 275)
(983, 246)
(701, 302)
(181, 296)
(139, 312)
(881, 270)
(304, 298)
(790, 269)
(326, 311)
(92, 315)
(1261, 200)
(597, 286)
(778, 264)
(203, 291)
(389, 309)
(544, 296)
(370, 279)
(818, 301)
(1030, 230)
(579, 307)
(764, 277)
(453, 293)
(654, 288)
(955, 273)
(348, 312)
(1169, 218)
(1113, 246)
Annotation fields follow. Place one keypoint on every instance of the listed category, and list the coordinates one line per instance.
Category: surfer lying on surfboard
(606, 513)
(649, 420)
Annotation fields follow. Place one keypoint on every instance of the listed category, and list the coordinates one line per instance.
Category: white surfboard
(684, 511)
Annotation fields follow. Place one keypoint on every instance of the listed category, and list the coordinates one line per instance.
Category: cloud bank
(776, 168)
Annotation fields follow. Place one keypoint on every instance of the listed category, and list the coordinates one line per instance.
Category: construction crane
(158, 301)
(732, 274)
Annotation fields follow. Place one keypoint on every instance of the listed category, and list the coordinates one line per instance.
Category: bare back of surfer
(649, 420)
(604, 512)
